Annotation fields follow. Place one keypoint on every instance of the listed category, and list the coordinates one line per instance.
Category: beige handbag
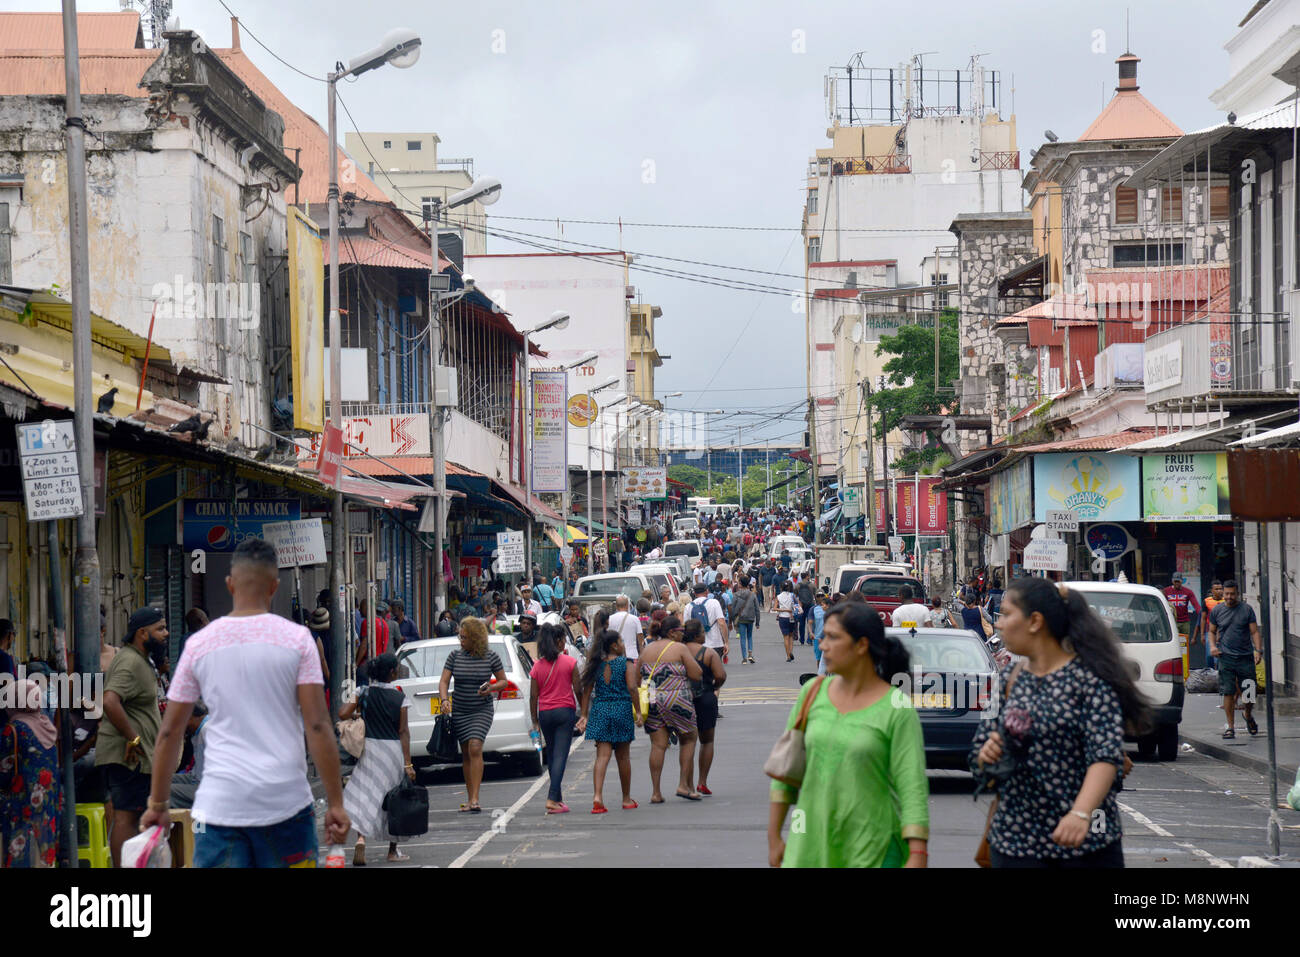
(788, 759)
(352, 733)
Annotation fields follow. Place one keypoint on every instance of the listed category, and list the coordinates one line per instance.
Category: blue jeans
(745, 629)
(290, 843)
(557, 728)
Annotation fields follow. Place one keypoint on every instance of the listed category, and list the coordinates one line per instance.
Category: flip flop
(1252, 726)
(693, 796)
(653, 801)
(400, 857)
(558, 809)
(631, 806)
(704, 790)
(598, 808)
(359, 856)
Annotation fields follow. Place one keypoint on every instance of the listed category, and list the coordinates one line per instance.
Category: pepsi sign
(213, 525)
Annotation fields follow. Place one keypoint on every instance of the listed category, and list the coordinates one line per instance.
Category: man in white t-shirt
(911, 613)
(531, 605)
(628, 627)
(260, 677)
(717, 634)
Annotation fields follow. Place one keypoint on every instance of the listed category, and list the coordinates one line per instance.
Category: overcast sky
(566, 102)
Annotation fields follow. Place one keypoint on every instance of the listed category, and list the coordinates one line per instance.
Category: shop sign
(297, 543)
(1113, 541)
(1011, 498)
(1185, 488)
(219, 525)
(1047, 555)
(548, 448)
(1096, 486)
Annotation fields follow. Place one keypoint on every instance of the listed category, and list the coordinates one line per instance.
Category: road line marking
(1159, 831)
(499, 824)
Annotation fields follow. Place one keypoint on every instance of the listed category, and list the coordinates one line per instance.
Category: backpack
(700, 613)
(805, 594)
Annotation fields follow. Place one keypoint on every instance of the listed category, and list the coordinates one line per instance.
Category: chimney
(1128, 72)
(234, 33)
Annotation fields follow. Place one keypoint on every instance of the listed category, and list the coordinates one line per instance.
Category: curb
(1239, 757)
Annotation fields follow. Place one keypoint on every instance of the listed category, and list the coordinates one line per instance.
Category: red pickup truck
(881, 592)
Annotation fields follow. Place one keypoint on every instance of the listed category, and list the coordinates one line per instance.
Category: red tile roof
(1092, 443)
(39, 71)
(1130, 116)
(365, 251)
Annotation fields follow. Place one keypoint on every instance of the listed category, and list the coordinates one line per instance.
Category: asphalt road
(1195, 812)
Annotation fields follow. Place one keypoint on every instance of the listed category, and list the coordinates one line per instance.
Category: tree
(910, 388)
(689, 474)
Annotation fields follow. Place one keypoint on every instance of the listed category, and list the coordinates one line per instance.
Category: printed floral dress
(30, 799)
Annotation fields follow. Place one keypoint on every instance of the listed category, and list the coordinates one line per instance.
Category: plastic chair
(92, 836)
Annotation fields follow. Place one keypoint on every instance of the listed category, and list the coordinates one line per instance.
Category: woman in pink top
(554, 706)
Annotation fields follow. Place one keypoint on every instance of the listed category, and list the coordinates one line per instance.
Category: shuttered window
(1126, 206)
(1219, 202)
(1171, 204)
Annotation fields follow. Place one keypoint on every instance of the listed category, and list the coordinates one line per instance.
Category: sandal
(693, 796)
(359, 855)
(1230, 733)
(630, 805)
(400, 857)
(1252, 726)
(660, 801)
(560, 808)
(704, 790)
(470, 809)
(598, 808)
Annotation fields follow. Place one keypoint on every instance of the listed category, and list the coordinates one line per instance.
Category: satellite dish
(856, 332)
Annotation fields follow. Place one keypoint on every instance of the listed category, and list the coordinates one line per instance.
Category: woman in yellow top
(864, 797)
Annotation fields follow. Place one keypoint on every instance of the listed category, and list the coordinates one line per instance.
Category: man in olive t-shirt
(130, 726)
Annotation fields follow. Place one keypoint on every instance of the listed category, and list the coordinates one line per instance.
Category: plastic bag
(1203, 681)
(1293, 796)
(148, 849)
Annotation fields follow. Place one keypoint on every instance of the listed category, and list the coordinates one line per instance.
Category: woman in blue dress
(612, 713)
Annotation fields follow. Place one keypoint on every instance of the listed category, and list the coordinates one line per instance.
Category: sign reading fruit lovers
(218, 525)
(1185, 488)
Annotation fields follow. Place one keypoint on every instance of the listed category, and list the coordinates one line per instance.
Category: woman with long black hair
(1061, 720)
(610, 713)
(863, 800)
(553, 703)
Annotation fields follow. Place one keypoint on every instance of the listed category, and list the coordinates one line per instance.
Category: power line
(244, 29)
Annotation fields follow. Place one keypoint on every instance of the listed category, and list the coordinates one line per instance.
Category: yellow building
(642, 360)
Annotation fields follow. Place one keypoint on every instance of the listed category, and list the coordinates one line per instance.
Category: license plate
(435, 706)
(932, 701)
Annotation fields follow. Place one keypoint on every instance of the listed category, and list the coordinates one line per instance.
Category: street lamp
(591, 557)
(559, 320)
(618, 486)
(401, 48)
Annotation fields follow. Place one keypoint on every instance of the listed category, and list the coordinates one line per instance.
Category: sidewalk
(1202, 728)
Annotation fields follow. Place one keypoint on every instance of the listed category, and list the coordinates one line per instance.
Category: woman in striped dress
(386, 756)
(478, 673)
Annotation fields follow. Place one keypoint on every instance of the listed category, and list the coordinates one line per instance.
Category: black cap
(142, 618)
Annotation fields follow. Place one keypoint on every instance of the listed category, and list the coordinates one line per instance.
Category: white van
(1142, 620)
(775, 545)
(689, 547)
(632, 583)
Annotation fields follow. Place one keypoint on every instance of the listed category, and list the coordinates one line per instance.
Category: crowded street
(721, 435)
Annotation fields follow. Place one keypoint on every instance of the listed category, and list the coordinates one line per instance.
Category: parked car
(689, 547)
(953, 677)
(801, 561)
(1142, 620)
(632, 583)
(881, 592)
(662, 573)
(508, 739)
(686, 526)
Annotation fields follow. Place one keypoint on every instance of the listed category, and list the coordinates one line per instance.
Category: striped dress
(381, 766)
(471, 713)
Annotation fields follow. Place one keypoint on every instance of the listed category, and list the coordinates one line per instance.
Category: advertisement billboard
(919, 497)
(646, 484)
(307, 322)
(548, 450)
(1096, 486)
(1185, 488)
(1011, 498)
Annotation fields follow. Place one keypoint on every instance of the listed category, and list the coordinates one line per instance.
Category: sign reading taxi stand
(1062, 520)
(47, 456)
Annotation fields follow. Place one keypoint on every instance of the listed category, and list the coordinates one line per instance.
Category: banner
(1096, 486)
(648, 484)
(915, 497)
(549, 435)
(307, 321)
(1185, 488)
(1011, 498)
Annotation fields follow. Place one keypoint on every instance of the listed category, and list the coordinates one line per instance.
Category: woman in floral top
(1063, 725)
(30, 798)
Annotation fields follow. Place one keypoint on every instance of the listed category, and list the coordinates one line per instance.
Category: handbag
(643, 689)
(788, 759)
(983, 855)
(352, 731)
(443, 746)
(407, 806)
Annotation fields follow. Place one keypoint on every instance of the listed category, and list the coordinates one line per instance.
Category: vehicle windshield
(1133, 617)
(627, 585)
(428, 661)
(952, 652)
(682, 548)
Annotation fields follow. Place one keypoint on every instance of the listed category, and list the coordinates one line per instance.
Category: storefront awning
(1207, 438)
(1287, 436)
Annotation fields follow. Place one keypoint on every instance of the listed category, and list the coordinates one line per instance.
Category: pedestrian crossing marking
(759, 694)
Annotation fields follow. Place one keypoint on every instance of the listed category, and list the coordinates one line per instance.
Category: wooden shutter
(1219, 202)
(1126, 205)
(1171, 204)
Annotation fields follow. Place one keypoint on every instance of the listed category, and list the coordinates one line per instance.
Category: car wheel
(1147, 747)
(530, 764)
(1167, 742)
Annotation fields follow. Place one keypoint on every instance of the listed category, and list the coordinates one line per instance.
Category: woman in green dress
(864, 797)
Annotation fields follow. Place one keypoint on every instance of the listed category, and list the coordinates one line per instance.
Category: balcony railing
(862, 165)
(1217, 361)
(1004, 160)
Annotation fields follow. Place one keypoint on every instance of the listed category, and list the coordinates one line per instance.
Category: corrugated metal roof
(39, 72)
(417, 465)
(1063, 307)
(1092, 443)
(1187, 282)
(44, 31)
(366, 251)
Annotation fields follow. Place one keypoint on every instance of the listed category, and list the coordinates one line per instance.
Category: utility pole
(86, 562)
(936, 320)
(340, 553)
(439, 449)
(869, 481)
(740, 472)
(815, 489)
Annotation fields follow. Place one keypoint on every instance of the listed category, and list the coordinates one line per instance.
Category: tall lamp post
(708, 439)
(591, 540)
(618, 491)
(401, 48)
(559, 320)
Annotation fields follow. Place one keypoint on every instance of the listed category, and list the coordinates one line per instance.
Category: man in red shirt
(365, 650)
(1184, 603)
